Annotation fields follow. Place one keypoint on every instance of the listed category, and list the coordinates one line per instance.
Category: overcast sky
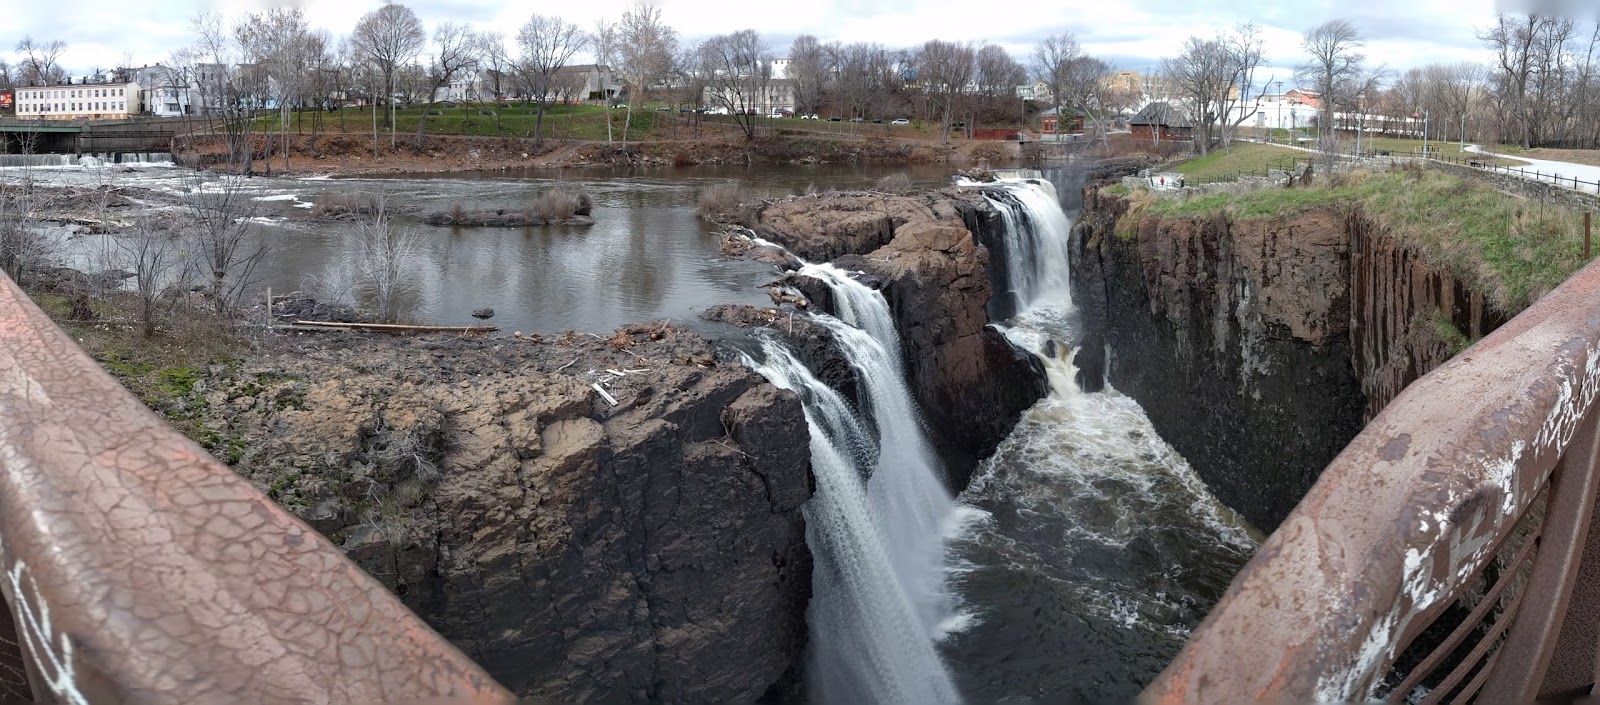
(1131, 34)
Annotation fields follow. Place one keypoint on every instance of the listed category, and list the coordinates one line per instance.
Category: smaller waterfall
(87, 159)
(1035, 249)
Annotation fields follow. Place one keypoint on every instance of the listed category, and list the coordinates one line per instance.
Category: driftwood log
(398, 328)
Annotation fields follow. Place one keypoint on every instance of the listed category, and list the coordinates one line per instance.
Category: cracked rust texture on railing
(1400, 520)
(137, 569)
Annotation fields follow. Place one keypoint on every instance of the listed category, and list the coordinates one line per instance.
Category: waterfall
(1035, 245)
(87, 159)
(877, 522)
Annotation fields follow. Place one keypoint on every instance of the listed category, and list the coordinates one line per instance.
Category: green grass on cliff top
(1242, 157)
(1511, 248)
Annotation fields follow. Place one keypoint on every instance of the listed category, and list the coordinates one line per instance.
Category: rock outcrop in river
(651, 551)
(919, 249)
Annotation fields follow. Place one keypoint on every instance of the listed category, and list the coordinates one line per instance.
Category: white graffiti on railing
(34, 631)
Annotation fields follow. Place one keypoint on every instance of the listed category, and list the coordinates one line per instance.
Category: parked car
(716, 111)
(877, 121)
(901, 121)
(835, 119)
(776, 116)
(858, 119)
(810, 117)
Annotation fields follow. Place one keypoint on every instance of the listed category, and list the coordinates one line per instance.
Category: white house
(587, 82)
(167, 91)
(777, 95)
(79, 99)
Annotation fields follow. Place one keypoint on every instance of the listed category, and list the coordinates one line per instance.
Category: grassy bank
(164, 370)
(1512, 249)
(1242, 157)
(577, 122)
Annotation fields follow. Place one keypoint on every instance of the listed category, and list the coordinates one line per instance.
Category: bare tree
(383, 250)
(1215, 78)
(860, 66)
(150, 252)
(227, 87)
(946, 68)
(603, 40)
(646, 47)
(1083, 87)
(277, 45)
(222, 243)
(739, 70)
(997, 78)
(1052, 61)
(39, 59)
(1335, 62)
(810, 68)
(458, 48)
(492, 49)
(390, 37)
(547, 44)
(22, 246)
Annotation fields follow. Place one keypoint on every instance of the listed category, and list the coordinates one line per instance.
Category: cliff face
(1408, 316)
(1260, 348)
(971, 383)
(653, 551)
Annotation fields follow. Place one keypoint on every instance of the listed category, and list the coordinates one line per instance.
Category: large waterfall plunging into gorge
(1097, 547)
(1081, 554)
(877, 520)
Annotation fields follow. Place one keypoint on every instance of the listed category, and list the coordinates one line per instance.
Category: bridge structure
(1449, 554)
(137, 569)
(66, 137)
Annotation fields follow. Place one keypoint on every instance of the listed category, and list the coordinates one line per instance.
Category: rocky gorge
(1260, 346)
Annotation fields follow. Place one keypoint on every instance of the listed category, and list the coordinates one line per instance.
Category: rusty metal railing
(1428, 525)
(137, 569)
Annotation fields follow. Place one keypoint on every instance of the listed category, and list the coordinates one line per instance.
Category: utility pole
(1280, 110)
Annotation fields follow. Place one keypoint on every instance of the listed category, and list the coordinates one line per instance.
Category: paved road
(1549, 171)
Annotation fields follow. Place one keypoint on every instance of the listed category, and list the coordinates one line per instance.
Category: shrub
(562, 202)
(335, 205)
(898, 182)
(720, 203)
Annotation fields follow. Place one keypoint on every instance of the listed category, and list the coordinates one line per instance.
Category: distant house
(1161, 122)
(1302, 96)
(587, 82)
(1051, 123)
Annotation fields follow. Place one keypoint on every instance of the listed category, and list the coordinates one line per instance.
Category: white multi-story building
(167, 91)
(79, 100)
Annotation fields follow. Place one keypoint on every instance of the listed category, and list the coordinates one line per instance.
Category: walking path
(1559, 173)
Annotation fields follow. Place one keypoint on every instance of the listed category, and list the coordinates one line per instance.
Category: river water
(647, 257)
(1073, 566)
